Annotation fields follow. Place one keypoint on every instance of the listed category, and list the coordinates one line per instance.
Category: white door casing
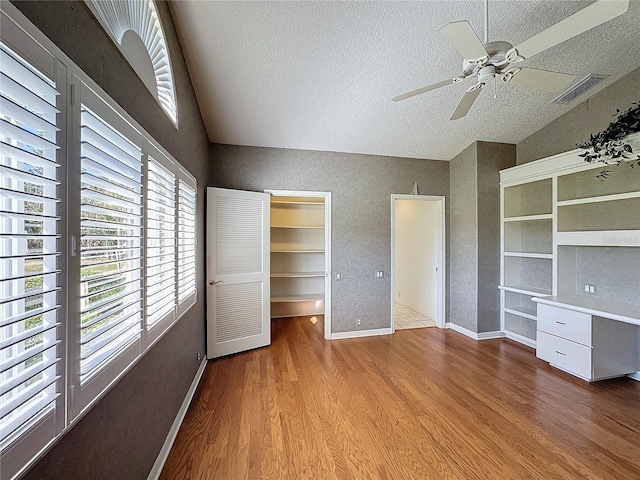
(238, 271)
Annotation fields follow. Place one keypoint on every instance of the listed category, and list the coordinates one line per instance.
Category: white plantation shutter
(110, 240)
(186, 240)
(161, 241)
(30, 259)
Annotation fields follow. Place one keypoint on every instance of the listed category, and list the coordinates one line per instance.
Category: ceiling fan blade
(589, 17)
(428, 88)
(467, 102)
(542, 79)
(462, 36)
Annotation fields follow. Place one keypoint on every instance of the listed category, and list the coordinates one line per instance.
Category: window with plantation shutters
(161, 242)
(30, 258)
(97, 243)
(186, 240)
(110, 243)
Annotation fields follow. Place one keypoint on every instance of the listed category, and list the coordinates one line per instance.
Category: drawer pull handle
(560, 323)
(560, 353)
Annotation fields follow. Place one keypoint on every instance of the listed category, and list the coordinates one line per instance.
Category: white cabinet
(298, 262)
(588, 346)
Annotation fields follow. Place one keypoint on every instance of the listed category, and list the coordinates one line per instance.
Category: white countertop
(594, 306)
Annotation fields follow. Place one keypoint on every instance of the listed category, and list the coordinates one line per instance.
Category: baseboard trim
(474, 335)
(156, 470)
(635, 376)
(361, 333)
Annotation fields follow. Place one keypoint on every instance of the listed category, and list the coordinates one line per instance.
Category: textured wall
(475, 234)
(122, 435)
(590, 116)
(492, 157)
(361, 187)
(463, 243)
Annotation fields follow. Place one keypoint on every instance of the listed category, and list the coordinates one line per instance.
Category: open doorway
(417, 262)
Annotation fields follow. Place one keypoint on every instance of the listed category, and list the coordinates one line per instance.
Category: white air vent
(578, 88)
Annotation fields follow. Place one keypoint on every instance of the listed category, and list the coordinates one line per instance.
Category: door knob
(211, 282)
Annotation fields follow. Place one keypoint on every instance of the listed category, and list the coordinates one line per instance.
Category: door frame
(441, 261)
(327, 246)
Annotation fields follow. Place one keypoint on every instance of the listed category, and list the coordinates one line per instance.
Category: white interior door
(238, 271)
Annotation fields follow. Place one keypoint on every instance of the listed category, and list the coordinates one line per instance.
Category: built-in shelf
(297, 202)
(599, 199)
(298, 251)
(520, 336)
(603, 238)
(525, 218)
(564, 228)
(296, 274)
(528, 255)
(525, 290)
(529, 315)
(298, 226)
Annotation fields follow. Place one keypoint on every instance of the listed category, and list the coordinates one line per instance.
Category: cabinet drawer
(565, 323)
(565, 354)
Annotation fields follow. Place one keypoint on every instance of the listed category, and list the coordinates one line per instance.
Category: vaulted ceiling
(321, 75)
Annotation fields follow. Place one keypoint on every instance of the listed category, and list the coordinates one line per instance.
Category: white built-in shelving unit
(298, 262)
(556, 217)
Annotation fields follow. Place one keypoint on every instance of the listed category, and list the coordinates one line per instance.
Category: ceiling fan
(493, 60)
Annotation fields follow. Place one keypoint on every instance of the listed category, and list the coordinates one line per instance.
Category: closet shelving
(297, 256)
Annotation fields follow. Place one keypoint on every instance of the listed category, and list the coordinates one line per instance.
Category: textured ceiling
(321, 75)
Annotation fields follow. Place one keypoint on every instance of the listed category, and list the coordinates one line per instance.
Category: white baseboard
(635, 376)
(474, 335)
(361, 333)
(154, 474)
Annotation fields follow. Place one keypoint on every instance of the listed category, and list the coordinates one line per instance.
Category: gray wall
(463, 243)
(575, 126)
(122, 435)
(475, 234)
(361, 187)
(492, 157)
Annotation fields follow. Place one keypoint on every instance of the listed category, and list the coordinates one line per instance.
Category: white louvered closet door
(238, 271)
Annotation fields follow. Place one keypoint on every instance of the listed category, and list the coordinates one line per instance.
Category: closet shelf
(296, 274)
(321, 250)
(318, 297)
(297, 202)
(298, 226)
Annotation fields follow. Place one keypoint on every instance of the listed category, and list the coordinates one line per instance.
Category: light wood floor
(420, 404)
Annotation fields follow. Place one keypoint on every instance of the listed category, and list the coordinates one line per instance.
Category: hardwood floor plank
(419, 404)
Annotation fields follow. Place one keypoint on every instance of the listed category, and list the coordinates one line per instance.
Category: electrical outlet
(198, 356)
(338, 276)
(379, 274)
(586, 288)
(590, 288)
(358, 322)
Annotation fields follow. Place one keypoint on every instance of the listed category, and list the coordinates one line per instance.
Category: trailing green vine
(609, 146)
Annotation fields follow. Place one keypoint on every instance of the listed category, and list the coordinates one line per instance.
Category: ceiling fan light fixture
(578, 88)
